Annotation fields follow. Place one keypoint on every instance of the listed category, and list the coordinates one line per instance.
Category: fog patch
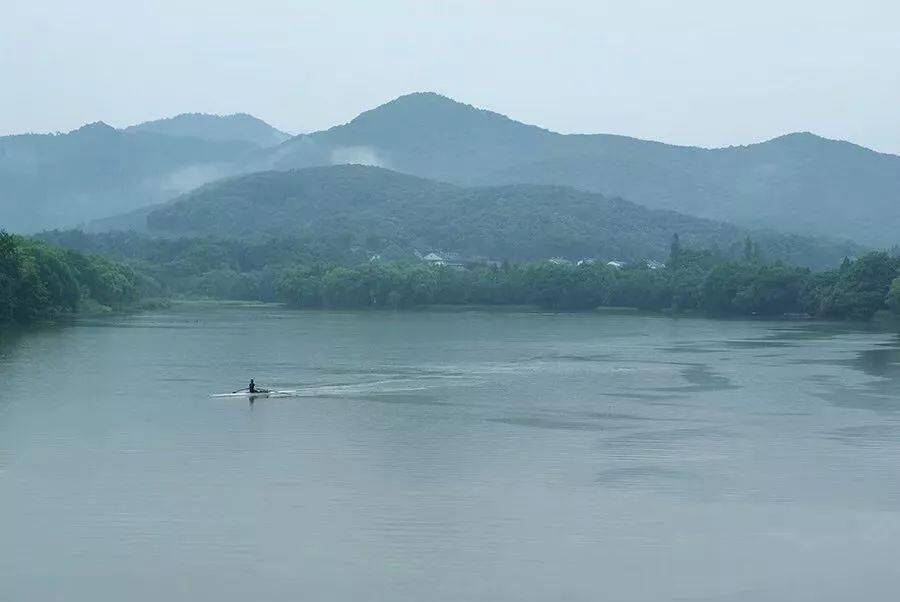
(356, 155)
(188, 178)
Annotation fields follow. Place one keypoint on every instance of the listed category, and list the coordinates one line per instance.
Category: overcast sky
(709, 73)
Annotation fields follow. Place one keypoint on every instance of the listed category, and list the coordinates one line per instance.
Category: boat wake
(342, 390)
(246, 394)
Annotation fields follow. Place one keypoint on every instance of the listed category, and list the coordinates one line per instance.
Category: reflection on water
(875, 435)
(556, 423)
(661, 478)
(448, 456)
(882, 361)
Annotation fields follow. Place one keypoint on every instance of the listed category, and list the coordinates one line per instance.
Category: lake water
(445, 456)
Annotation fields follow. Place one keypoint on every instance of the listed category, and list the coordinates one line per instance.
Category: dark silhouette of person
(252, 387)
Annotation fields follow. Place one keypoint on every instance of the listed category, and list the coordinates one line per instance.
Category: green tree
(893, 296)
(861, 288)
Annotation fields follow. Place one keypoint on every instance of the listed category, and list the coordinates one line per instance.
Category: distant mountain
(795, 183)
(238, 127)
(51, 180)
(379, 210)
(799, 182)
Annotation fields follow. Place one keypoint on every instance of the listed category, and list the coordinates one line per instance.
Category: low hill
(52, 180)
(239, 127)
(384, 211)
(797, 183)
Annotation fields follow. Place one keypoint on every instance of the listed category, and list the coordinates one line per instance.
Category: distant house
(374, 258)
(559, 261)
(450, 260)
(654, 265)
(616, 264)
(586, 261)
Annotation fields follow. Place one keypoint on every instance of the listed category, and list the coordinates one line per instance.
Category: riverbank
(882, 321)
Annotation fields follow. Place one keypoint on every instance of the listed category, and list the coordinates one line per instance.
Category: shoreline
(882, 321)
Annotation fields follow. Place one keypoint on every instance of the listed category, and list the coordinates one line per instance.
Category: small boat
(258, 393)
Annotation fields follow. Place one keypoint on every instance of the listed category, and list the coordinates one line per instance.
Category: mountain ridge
(437, 99)
(798, 182)
(378, 210)
(795, 182)
(58, 180)
(241, 127)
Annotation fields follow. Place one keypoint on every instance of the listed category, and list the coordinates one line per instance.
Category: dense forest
(313, 273)
(692, 282)
(55, 180)
(215, 128)
(799, 182)
(392, 214)
(38, 281)
(795, 183)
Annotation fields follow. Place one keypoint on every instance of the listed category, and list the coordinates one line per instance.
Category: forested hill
(50, 180)
(239, 127)
(38, 281)
(796, 183)
(384, 212)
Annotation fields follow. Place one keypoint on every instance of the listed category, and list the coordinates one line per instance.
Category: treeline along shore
(693, 281)
(708, 282)
(40, 282)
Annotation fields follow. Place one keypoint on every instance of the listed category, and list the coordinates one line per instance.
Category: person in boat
(252, 387)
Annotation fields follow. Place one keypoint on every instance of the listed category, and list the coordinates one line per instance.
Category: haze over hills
(384, 211)
(798, 182)
(239, 127)
(59, 180)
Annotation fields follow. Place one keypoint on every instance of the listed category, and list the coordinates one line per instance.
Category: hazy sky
(710, 73)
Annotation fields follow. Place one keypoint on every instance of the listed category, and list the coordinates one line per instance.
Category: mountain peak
(426, 98)
(809, 142)
(420, 108)
(415, 102)
(803, 137)
(96, 128)
(208, 117)
(236, 127)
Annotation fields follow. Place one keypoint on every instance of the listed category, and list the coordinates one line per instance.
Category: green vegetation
(390, 214)
(207, 267)
(53, 180)
(350, 235)
(215, 128)
(796, 183)
(311, 273)
(39, 282)
(698, 282)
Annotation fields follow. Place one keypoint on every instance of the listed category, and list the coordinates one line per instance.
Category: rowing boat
(257, 393)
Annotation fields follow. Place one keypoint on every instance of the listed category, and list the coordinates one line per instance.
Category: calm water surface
(448, 456)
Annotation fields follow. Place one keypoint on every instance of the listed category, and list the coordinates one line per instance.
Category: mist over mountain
(239, 127)
(51, 180)
(798, 182)
(387, 212)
